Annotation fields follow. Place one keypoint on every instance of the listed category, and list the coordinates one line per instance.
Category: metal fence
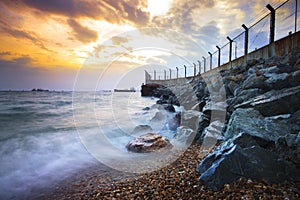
(278, 23)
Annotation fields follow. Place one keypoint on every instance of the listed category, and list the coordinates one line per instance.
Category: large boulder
(275, 102)
(212, 134)
(278, 81)
(174, 121)
(149, 142)
(243, 96)
(185, 135)
(252, 122)
(254, 81)
(245, 156)
(189, 126)
(289, 147)
(191, 119)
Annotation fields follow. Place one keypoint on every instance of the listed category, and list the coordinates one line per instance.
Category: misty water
(45, 137)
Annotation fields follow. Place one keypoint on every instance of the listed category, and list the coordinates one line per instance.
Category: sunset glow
(44, 43)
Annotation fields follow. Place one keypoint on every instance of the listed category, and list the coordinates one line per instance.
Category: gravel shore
(179, 180)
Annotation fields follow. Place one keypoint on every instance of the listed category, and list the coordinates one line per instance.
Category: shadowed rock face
(245, 156)
(262, 138)
(149, 142)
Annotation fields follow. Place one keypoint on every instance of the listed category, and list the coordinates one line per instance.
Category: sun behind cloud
(56, 37)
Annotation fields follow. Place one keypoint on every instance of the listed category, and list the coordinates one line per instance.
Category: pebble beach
(179, 180)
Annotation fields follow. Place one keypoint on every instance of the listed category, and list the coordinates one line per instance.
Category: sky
(105, 44)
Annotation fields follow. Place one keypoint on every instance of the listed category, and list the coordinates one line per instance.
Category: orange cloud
(82, 33)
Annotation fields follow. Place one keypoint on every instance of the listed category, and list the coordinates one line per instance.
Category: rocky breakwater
(262, 136)
(253, 112)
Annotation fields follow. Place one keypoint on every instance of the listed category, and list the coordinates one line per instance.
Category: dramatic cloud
(5, 53)
(82, 33)
(113, 11)
(117, 40)
(36, 35)
(24, 35)
(25, 60)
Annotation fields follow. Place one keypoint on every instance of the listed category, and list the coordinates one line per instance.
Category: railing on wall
(278, 23)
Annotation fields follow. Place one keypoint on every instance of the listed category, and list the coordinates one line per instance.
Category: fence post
(194, 69)
(177, 71)
(165, 74)
(246, 41)
(230, 47)
(210, 60)
(272, 23)
(296, 10)
(204, 60)
(199, 66)
(184, 71)
(170, 73)
(219, 56)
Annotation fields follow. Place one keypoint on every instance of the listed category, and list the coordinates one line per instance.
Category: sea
(47, 136)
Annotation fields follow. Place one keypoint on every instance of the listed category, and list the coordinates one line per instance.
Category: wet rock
(254, 81)
(187, 97)
(203, 123)
(164, 99)
(271, 70)
(243, 96)
(216, 110)
(244, 157)
(236, 78)
(295, 122)
(191, 118)
(212, 134)
(215, 106)
(278, 81)
(142, 129)
(275, 102)
(169, 107)
(252, 122)
(146, 108)
(149, 142)
(295, 80)
(230, 88)
(174, 122)
(185, 135)
(288, 146)
(250, 93)
(159, 117)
